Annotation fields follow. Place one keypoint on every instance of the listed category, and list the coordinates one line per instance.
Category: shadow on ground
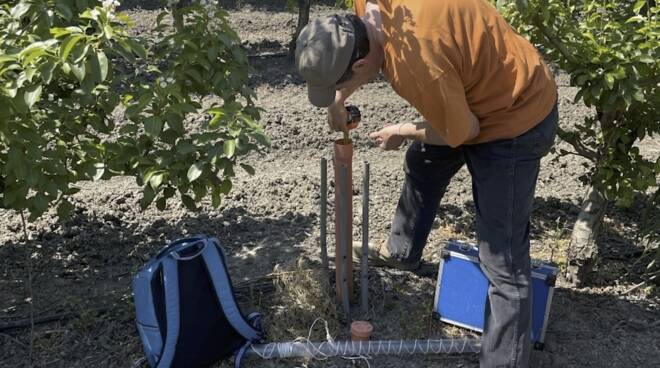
(76, 269)
(625, 333)
(619, 245)
(84, 266)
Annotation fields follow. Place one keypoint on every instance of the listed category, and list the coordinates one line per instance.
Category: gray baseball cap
(323, 52)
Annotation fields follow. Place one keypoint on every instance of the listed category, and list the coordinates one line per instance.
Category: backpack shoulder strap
(145, 311)
(215, 263)
(172, 312)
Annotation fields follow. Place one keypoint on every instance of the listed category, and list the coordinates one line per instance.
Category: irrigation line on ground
(265, 55)
(31, 322)
(263, 284)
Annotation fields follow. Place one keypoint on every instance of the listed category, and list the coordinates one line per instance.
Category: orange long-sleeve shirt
(448, 57)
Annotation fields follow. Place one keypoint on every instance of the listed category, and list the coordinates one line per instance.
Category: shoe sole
(376, 261)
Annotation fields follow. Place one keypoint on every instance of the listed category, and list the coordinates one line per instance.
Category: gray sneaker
(379, 256)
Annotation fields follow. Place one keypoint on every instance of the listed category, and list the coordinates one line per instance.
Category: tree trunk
(583, 250)
(178, 16)
(303, 19)
(228, 4)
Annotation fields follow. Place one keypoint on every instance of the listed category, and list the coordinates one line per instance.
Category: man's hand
(388, 138)
(337, 117)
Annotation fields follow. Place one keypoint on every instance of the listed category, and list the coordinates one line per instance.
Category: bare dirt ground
(82, 268)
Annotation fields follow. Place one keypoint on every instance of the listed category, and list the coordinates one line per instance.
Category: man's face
(364, 71)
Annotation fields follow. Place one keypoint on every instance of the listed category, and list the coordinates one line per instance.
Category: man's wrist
(402, 130)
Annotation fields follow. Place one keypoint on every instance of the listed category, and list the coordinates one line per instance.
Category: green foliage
(341, 4)
(611, 50)
(56, 92)
(68, 68)
(201, 57)
(344, 4)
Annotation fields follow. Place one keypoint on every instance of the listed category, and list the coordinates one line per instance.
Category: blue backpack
(186, 312)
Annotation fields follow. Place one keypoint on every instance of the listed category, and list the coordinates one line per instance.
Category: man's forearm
(423, 132)
(343, 94)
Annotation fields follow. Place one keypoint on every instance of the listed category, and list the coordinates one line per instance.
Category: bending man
(489, 102)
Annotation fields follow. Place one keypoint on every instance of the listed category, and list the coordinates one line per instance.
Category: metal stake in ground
(364, 274)
(324, 215)
(343, 243)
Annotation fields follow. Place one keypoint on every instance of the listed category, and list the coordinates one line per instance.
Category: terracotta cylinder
(343, 155)
(361, 331)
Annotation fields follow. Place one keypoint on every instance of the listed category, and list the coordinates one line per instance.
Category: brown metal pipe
(343, 246)
(343, 155)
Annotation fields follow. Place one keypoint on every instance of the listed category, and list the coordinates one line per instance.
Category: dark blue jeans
(504, 175)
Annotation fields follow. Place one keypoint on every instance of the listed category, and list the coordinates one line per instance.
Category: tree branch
(607, 120)
(578, 146)
(303, 19)
(554, 40)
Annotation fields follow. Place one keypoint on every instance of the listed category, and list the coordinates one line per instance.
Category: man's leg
(504, 176)
(428, 172)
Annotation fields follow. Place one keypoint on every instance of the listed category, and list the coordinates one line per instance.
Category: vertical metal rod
(364, 274)
(324, 215)
(341, 210)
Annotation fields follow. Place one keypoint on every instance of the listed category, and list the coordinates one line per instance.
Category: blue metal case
(462, 289)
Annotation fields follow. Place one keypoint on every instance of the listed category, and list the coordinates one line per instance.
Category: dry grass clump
(302, 295)
(554, 245)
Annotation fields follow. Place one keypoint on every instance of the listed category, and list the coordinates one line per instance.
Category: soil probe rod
(320, 350)
(343, 244)
(324, 214)
(364, 275)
